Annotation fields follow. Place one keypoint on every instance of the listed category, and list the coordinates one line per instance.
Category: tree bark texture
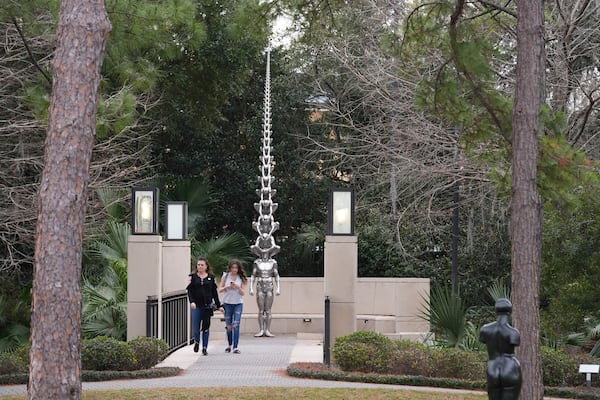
(526, 215)
(55, 356)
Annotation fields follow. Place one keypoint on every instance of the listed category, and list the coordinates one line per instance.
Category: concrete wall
(386, 305)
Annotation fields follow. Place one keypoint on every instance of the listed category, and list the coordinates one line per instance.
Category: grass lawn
(271, 393)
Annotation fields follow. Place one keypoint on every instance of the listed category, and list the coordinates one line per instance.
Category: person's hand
(277, 292)
(193, 305)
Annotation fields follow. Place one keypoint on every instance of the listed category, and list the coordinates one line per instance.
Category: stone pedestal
(144, 278)
(341, 271)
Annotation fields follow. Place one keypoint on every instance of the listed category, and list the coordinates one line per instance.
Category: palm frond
(104, 309)
(592, 326)
(112, 244)
(194, 190)
(576, 339)
(15, 311)
(15, 336)
(113, 201)
(220, 250)
(471, 338)
(306, 241)
(445, 312)
(499, 290)
(108, 325)
(595, 352)
(97, 300)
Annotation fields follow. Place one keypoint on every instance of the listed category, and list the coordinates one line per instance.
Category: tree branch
(33, 60)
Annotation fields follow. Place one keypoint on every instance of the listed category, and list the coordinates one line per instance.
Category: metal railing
(175, 328)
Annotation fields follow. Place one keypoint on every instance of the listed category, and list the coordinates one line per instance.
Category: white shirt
(232, 295)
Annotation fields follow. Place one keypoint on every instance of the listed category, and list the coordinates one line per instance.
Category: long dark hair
(240, 266)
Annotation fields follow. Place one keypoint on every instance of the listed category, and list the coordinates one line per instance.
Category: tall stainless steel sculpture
(264, 269)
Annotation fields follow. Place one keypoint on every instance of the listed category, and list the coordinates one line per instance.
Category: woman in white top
(233, 286)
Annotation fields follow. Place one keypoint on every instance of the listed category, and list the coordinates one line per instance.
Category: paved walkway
(263, 362)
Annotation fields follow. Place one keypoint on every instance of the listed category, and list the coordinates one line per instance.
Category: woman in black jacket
(202, 293)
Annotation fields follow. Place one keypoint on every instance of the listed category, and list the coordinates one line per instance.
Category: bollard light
(144, 206)
(177, 218)
(340, 215)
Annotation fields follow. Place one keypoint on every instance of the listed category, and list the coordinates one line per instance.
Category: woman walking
(233, 286)
(204, 299)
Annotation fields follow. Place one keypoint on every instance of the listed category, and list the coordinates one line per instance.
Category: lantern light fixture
(176, 220)
(340, 215)
(144, 205)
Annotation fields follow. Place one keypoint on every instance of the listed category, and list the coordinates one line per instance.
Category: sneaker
(228, 350)
(236, 351)
(204, 352)
(196, 347)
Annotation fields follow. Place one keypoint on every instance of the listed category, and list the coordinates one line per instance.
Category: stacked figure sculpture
(264, 269)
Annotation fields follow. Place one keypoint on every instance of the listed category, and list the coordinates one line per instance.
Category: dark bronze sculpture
(503, 369)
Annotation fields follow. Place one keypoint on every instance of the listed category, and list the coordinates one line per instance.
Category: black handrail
(174, 319)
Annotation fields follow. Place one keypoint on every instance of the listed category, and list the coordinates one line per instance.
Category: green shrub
(481, 315)
(96, 376)
(405, 344)
(104, 353)
(12, 363)
(562, 369)
(411, 358)
(363, 351)
(149, 351)
(23, 353)
(578, 379)
(100, 354)
(458, 364)
(556, 367)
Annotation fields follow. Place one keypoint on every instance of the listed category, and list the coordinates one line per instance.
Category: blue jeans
(197, 320)
(233, 316)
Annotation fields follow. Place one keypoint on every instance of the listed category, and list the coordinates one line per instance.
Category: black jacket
(203, 291)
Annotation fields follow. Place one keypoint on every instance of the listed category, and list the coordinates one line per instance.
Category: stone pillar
(341, 271)
(144, 278)
(176, 261)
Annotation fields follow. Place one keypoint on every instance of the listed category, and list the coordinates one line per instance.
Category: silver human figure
(266, 276)
(264, 270)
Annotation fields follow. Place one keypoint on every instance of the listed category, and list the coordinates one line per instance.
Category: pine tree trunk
(55, 356)
(526, 218)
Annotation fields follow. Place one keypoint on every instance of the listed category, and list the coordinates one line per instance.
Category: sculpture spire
(264, 269)
(265, 225)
